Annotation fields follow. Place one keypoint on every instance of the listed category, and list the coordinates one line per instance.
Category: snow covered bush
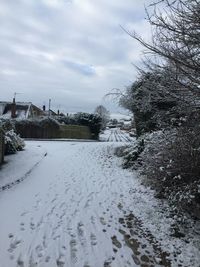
(93, 121)
(7, 124)
(176, 169)
(49, 122)
(131, 154)
(38, 128)
(157, 101)
(104, 114)
(168, 161)
(13, 142)
(165, 102)
(68, 120)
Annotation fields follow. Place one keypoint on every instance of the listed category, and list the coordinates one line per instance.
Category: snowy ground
(78, 208)
(116, 135)
(18, 166)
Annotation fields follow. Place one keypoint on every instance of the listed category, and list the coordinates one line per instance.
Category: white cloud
(55, 3)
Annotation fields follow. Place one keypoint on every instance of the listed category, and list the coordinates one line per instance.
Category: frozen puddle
(79, 208)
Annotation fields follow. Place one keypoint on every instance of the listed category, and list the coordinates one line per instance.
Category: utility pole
(15, 94)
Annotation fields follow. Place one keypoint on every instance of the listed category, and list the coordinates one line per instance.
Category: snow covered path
(79, 208)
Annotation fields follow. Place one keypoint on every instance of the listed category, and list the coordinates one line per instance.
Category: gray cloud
(71, 51)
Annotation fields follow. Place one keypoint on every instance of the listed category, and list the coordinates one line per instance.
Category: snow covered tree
(155, 100)
(165, 97)
(104, 114)
(93, 121)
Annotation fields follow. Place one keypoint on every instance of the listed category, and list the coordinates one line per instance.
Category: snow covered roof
(22, 109)
(2, 107)
(46, 112)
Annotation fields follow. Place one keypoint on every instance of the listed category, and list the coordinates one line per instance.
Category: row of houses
(23, 110)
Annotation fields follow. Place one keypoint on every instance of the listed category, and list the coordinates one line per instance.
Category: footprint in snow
(39, 251)
(14, 243)
(73, 250)
(32, 225)
(47, 259)
(24, 213)
(20, 261)
(11, 235)
(93, 240)
(33, 262)
(102, 221)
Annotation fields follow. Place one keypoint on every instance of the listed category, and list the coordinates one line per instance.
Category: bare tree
(176, 38)
(104, 114)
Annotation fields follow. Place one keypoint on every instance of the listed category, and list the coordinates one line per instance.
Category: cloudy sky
(73, 52)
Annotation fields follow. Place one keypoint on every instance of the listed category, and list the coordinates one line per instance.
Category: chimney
(13, 109)
(58, 112)
(44, 108)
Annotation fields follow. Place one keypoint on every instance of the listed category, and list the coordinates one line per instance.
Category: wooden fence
(52, 131)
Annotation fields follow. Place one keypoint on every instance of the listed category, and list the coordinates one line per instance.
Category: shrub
(13, 142)
(170, 163)
(93, 121)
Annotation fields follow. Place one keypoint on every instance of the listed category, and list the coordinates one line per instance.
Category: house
(49, 112)
(19, 110)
